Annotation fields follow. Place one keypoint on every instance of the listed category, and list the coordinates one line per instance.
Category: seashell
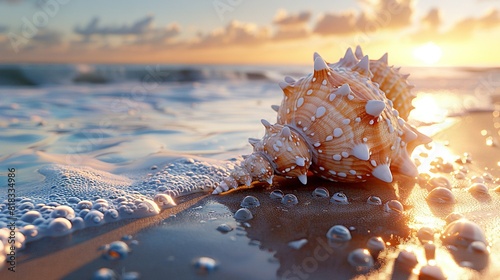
(338, 122)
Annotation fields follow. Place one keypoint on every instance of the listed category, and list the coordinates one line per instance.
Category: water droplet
(339, 198)
(439, 181)
(453, 217)
(164, 201)
(459, 175)
(462, 233)
(477, 179)
(478, 247)
(117, 250)
(321, 192)
(84, 204)
(374, 200)
(431, 272)
(297, 244)
(393, 206)
(478, 189)
(338, 233)
(361, 260)
(205, 264)
(276, 195)
(250, 202)
(224, 228)
(375, 245)
(406, 260)
(425, 235)
(104, 274)
(289, 200)
(243, 214)
(441, 195)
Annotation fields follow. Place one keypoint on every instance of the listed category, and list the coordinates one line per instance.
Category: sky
(413, 32)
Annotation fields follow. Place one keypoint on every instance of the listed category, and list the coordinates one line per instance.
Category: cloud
(462, 31)
(235, 33)
(282, 18)
(382, 15)
(291, 26)
(433, 18)
(93, 28)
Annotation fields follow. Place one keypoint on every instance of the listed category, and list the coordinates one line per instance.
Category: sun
(428, 53)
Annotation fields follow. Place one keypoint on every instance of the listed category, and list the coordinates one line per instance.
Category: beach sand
(168, 244)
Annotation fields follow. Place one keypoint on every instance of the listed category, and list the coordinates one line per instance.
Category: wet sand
(168, 243)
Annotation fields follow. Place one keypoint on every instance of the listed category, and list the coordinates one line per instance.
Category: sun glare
(429, 53)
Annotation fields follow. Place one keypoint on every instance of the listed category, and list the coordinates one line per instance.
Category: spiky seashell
(337, 123)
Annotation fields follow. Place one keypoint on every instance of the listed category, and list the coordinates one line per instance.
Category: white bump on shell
(345, 154)
(344, 90)
(300, 161)
(337, 157)
(300, 101)
(332, 96)
(375, 107)
(342, 174)
(329, 138)
(309, 92)
(337, 132)
(303, 179)
(320, 111)
(283, 85)
(289, 79)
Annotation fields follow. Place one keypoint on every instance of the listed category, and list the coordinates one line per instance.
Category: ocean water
(106, 138)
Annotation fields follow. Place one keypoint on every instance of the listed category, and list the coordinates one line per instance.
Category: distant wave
(64, 74)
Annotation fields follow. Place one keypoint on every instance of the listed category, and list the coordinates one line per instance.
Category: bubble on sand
(59, 227)
(321, 192)
(478, 189)
(338, 233)
(453, 217)
(441, 195)
(361, 260)
(374, 200)
(425, 235)
(339, 198)
(250, 202)
(462, 233)
(478, 247)
(104, 274)
(205, 264)
(477, 179)
(459, 175)
(243, 214)
(224, 228)
(430, 251)
(164, 201)
(431, 271)
(393, 206)
(276, 195)
(117, 250)
(94, 218)
(289, 200)
(31, 216)
(84, 204)
(375, 245)
(63, 211)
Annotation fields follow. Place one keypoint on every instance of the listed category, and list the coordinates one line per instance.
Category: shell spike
(266, 123)
(404, 165)
(275, 107)
(270, 180)
(384, 58)
(405, 76)
(315, 55)
(319, 63)
(359, 52)
(303, 179)
(253, 141)
(383, 173)
(363, 66)
(349, 56)
(344, 90)
(374, 107)
(283, 85)
(289, 80)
